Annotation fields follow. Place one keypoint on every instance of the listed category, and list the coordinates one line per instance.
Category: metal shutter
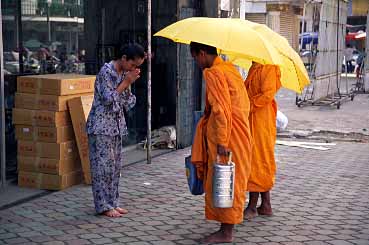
(257, 18)
(287, 23)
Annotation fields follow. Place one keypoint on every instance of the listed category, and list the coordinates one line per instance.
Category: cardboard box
(44, 134)
(48, 181)
(79, 109)
(64, 150)
(41, 118)
(56, 84)
(48, 165)
(43, 102)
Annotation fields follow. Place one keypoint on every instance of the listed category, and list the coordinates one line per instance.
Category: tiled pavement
(320, 197)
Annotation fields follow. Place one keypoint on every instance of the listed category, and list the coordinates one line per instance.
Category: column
(273, 20)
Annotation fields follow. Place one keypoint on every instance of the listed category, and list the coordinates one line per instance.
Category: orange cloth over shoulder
(262, 83)
(226, 123)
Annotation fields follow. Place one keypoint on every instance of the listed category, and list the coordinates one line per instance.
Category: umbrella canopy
(230, 36)
(33, 43)
(361, 35)
(308, 37)
(243, 41)
(293, 72)
(351, 36)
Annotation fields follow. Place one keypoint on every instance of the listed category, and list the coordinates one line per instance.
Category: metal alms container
(223, 183)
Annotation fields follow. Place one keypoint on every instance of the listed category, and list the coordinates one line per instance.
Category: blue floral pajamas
(106, 157)
(106, 127)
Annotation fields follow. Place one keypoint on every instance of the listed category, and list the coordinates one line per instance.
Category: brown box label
(64, 150)
(48, 165)
(40, 118)
(48, 181)
(44, 102)
(56, 84)
(44, 134)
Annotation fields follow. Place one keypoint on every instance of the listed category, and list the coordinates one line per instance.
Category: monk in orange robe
(223, 128)
(262, 83)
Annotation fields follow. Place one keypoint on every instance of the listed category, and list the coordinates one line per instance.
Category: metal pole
(2, 109)
(338, 29)
(303, 27)
(148, 82)
(103, 35)
(77, 37)
(48, 23)
(20, 35)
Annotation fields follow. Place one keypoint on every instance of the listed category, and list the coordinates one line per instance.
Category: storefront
(54, 36)
(38, 37)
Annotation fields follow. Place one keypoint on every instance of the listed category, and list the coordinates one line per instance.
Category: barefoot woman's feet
(112, 213)
(121, 210)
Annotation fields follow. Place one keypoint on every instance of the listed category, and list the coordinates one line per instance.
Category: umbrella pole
(148, 82)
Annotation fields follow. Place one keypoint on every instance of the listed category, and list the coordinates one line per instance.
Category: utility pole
(2, 109)
(102, 36)
(338, 47)
(48, 21)
(148, 82)
(20, 35)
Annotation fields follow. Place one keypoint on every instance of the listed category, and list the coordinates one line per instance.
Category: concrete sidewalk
(12, 194)
(352, 117)
(320, 197)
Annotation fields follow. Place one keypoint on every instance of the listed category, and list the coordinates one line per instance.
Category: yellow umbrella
(242, 41)
(293, 72)
(228, 35)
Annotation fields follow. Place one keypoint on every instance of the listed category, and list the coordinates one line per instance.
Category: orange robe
(225, 122)
(262, 84)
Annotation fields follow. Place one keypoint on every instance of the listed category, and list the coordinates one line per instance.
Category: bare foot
(218, 237)
(121, 210)
(250, 213)
(112, 213)
(264, 210)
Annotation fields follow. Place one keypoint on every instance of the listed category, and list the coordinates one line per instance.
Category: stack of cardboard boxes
(47, 152)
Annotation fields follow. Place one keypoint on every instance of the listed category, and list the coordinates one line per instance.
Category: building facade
(281, 16)
(38, 37)
(89, 32)
(358, 8)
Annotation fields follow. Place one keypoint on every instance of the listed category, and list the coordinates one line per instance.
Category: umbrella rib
(295, 70)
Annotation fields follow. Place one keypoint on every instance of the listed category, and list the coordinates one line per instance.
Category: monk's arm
(268, 87)
(220, 103)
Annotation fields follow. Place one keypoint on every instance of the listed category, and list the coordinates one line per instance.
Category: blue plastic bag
(194, 183)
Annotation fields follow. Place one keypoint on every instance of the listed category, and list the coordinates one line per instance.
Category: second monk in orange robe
(223, 128)
(262, 83)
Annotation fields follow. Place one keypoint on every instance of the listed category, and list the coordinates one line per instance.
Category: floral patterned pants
(106, 156)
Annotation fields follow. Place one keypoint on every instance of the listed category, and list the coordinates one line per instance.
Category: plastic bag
(282, 121)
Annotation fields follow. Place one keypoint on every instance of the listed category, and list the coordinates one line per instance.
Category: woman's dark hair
(196, 47)
(131, 51)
